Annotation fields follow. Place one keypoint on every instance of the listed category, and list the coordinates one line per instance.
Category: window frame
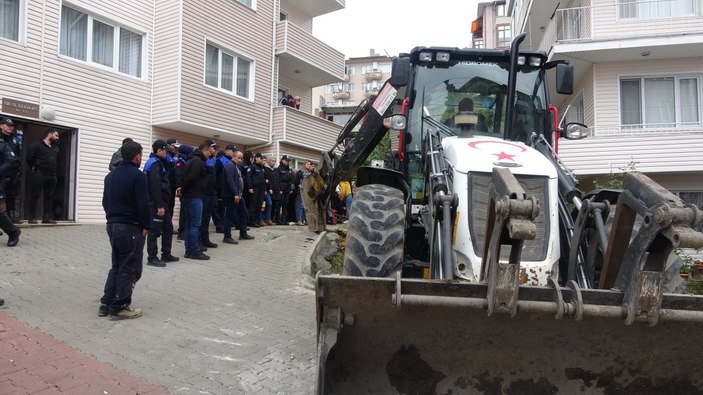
(21, 24)
(236, 55)
(117, 33)
(619, 4)
(507, 28)
(678, 116)
(252, 6)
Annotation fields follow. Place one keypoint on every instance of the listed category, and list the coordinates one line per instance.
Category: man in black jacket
(192, 191)
(13, 177)
(209, 197)
(257, 189)
(159, 202)
(42, 158)
(7, 167)
(128, 222)
(285, 184)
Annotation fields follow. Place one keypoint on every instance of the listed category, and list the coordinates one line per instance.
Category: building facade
(363, 77)
(492, 27)
(638, 83)
(103, 71)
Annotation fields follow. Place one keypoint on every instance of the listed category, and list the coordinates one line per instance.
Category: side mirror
(575, 131)
(565, 79)
(400, 74)
(395, 122)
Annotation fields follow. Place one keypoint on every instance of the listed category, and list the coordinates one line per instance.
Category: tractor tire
(376, 235)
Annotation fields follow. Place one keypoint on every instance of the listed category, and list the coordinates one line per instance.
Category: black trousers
(160, 227)
(5, 222)
(235, 214)
(209, 206)
(257, 199)
(281, 215)
(11, 188)
(47, 184)
(127, 244)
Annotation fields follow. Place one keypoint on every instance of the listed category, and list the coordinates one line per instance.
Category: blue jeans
(300, 210)
(267, 213)
(347, 205)
(194, 209)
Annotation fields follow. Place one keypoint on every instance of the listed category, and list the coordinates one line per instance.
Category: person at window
(13, 179)
(296, 102)
(290, 102)
(42, 158)
(128, 222)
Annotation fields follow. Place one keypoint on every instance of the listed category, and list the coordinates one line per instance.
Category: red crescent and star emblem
(499, 148)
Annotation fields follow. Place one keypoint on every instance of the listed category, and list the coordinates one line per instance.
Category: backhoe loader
(475, 264)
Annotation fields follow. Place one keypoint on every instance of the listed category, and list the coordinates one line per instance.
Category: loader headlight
(575, 131)
(395, 122)
(443, 56)
(520, 60)
(425, 56)
(535, 61)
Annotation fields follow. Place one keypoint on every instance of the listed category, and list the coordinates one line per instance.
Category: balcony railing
(374, 75)
(303, 129)
(623, 19)
(305, 58)
(647, 129)
(341, 95)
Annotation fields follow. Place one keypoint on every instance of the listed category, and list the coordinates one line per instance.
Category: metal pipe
(550, 308)
(447, 256)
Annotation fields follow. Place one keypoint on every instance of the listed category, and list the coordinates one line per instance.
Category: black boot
(13, 218)
(12, 231)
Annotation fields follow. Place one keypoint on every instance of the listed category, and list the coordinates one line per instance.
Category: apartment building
(638, 83)
(102, 71)
(492, 27)
(363, 77)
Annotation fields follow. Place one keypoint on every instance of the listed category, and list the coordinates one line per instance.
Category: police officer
(285, 182)
(210, 198)
(159, 202)
(184, 151)
(257, 189)
(14, 140)
(7, 163)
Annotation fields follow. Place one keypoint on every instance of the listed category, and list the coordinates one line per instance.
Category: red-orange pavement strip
(32, 362)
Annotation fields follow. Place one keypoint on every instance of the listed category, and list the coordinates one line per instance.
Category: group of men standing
(133, 220)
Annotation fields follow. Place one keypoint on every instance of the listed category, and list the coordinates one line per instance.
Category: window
(504, 36)
(575, 112)
(693, 198)
(249, 3)
(500, 10)
(110, 46)
(349, 70)
(282, 16)
(385, 68)
(650, 9)
(10, 19)
(660, 101)
(228, 71)
(478, 43)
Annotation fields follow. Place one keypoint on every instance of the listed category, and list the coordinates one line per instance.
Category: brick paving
(239, 323)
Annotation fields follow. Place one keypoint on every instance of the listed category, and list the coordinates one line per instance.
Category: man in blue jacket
(128, 222)
(232, 190)
(156, 169)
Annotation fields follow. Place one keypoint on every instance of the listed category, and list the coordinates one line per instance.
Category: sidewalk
(32, 362)
(237, 324)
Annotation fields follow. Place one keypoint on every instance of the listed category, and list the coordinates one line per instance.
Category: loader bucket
(410, 336)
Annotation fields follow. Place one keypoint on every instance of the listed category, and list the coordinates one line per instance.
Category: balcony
(306, 59)
(299, 128)
(371, 92)
(342, 95)
(374, 75)
(346, 77)
(620, 32)
(319, 7)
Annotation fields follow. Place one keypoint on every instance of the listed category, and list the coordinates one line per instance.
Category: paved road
(239, 323)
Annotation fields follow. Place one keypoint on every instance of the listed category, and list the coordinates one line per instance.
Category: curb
(307, 279)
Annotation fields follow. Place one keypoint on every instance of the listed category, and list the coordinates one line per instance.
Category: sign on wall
(21, 108)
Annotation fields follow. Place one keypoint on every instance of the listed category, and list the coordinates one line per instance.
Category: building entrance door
(63, 199)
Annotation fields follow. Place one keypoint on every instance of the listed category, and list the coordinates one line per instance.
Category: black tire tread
(376, 235)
